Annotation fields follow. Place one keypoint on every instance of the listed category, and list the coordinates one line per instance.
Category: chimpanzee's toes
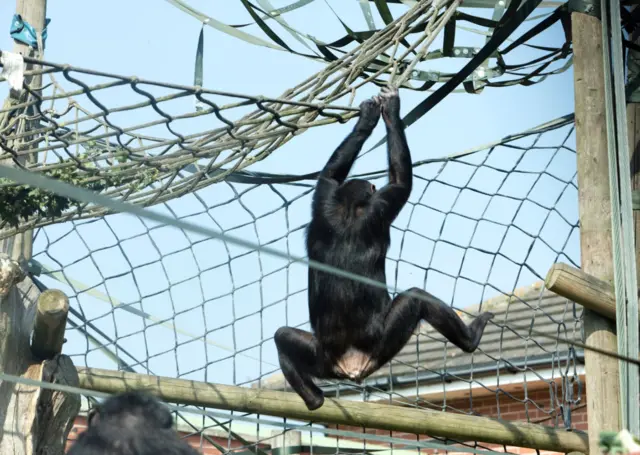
(485, 317)
(477, 329)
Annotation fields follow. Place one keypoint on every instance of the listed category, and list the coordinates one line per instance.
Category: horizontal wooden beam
(579, 287)
(339, 412)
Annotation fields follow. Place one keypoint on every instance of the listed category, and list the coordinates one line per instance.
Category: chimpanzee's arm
(337, 168)
(340, 162)
(388, 202)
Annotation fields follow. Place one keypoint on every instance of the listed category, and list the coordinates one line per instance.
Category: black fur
(132, 423)
(349, 230)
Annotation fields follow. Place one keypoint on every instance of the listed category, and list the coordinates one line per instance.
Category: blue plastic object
(24, 33)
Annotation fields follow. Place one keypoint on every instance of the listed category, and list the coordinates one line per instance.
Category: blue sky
(224, 295)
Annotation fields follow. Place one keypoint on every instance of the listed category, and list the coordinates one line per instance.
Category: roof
(504, 346)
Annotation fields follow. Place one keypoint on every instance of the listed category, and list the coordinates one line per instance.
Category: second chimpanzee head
(133, 409)
(130, 423)
(353, 195)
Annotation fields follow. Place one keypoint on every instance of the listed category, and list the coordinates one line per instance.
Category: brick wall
(499, 406)
(514, 408)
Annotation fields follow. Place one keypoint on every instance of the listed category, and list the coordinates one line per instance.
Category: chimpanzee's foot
(477, 329)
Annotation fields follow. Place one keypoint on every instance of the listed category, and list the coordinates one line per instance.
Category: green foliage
(20, 202)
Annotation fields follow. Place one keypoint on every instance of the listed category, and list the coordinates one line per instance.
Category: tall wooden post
(32, 419)
(602, 382)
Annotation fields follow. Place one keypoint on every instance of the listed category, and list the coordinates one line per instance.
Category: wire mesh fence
(480, 231)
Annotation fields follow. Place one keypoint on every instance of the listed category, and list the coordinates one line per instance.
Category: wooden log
(38, 420)
(51, 320)
(338, 412)
(579, 287)
(594, 202)
(50, 414)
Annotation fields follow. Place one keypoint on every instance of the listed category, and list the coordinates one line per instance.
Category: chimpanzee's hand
(389, 104)
(369, 114)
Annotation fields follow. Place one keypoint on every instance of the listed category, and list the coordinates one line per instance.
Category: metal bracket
(464, 51)
(480, 74)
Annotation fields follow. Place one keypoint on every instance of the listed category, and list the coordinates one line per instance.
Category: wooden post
(51, 320)
(586, 290)
(32, 420)
(602, 383)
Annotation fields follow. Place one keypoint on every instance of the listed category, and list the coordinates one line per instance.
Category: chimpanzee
(358, 328)
(131, 423)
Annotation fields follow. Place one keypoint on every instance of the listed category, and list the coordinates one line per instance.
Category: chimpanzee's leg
(301, 358)
(405, 314)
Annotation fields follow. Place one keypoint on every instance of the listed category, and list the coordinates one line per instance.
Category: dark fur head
(131, 423)
(133, 409)
(353, 195)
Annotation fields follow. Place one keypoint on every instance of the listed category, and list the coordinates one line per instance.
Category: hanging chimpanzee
(358, 328)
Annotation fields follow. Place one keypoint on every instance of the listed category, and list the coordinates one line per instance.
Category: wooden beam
(594, 203)
(49, 414)
(340, 412)
(51, 320)
(579, 287)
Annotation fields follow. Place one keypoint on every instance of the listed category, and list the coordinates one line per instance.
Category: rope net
(142, 141)
(480, 231)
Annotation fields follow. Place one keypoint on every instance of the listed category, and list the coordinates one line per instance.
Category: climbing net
(480, 231)
(151, 151)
